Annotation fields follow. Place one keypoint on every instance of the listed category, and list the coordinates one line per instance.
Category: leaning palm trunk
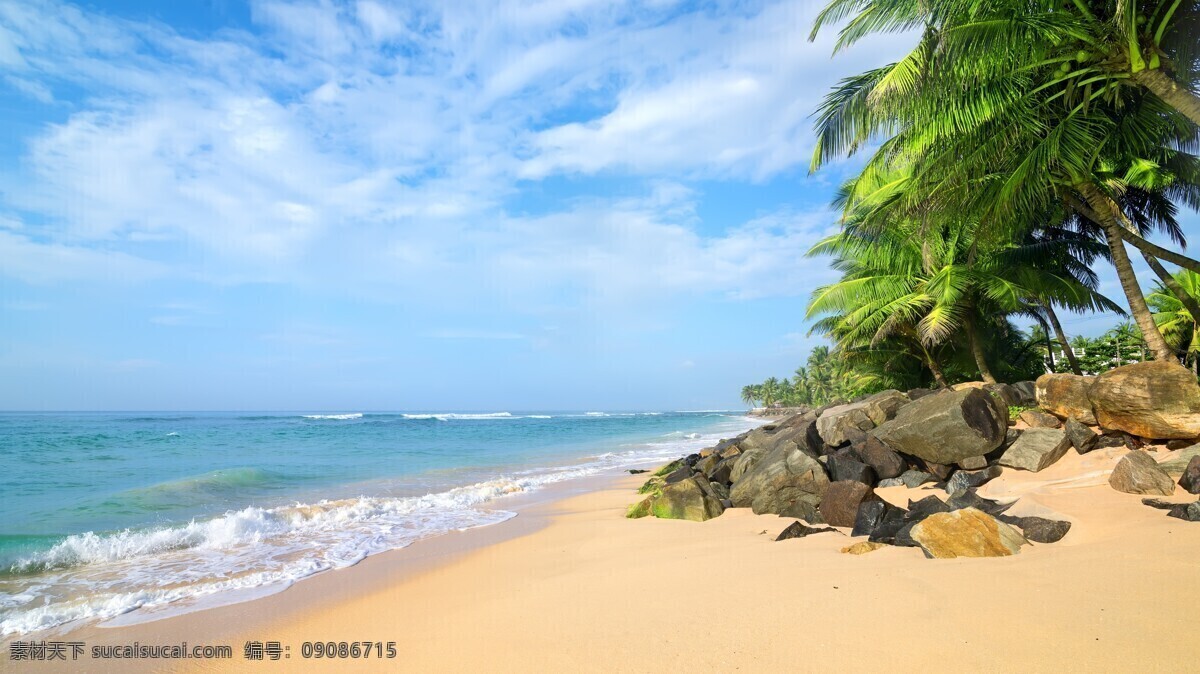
(1106, 210)
(1169, 91)
(1062, 339)
(1169, 281)
(938, 375)
(977, 350)
(1159, 252)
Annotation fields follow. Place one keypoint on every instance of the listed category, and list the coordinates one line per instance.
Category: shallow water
(108, 512)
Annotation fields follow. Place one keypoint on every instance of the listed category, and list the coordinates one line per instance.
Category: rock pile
(823, 466)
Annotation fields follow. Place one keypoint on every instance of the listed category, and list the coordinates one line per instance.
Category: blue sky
(325, 205)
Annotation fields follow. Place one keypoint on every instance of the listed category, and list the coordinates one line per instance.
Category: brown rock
(966, 533)
(947, 427)
(1155, 400)
(839, 505)
(1039, 419)
(1138, 473)
(1066, 397)
(1036, 449)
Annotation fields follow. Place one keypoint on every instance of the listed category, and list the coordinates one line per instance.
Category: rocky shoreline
(821, 467)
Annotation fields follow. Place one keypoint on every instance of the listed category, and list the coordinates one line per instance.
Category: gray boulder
(882, 459)
(1006, 393)
(1190, 480)
(1082, 437)
(1036, 449)
(844, 466)
(1026, 392)
(915, 478)
(1138, 473)
(973, 463)
(778, 480)
(1189, 512)
(947, 427)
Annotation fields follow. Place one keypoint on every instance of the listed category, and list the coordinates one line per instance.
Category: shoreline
(570, 583)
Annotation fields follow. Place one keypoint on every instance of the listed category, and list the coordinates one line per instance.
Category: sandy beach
(571, 585)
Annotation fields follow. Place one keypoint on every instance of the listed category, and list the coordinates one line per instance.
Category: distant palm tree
(1179, 326)
(750, 395)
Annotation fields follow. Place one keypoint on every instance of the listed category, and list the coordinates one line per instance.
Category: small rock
(680, 474)
(1039, 419)
(798, 530)
(872, 515)
(1082, 437)
(970, 499)
(1138, 473)
(1179, 459)
(963, 480)
(966, 533)
(839, 505)
(1036, 449)
(1158, 503)
(973, 463)
(1180, 444)
(1189, 512)
(1039, 529)
(939, 470)
(915, 478)
(930, 505)
(635, 471)
(1190, 480)
(891, 482)
(862, 547)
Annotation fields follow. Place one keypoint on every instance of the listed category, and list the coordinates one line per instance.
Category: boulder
(885, 462)
(689, 499)
(966, 533)
(641, 508)
(723, 472)
(946, 427)
(1179, 460)
(798, 530)
(1005, 393)
(1156, 400)
(680, 474)
(1039, 419)
(837, 425)
(779, 479)
(964, 480)
(743, 462)
(862, 547)
(1082, 438)
(914, 394)
(1190, 480)
(872, 514)
(708, 464)
(839, 505)
(1066, 396)
(1138, 473)
(1037, 448)
(1026, 392)
(843, 466)
(939, 470)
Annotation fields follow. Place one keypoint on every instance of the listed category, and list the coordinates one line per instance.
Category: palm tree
(995, 138)
(769, 391)
(751, 395)
(1178, 322)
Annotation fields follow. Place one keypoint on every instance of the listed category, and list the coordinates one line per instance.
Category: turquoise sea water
(105, 513)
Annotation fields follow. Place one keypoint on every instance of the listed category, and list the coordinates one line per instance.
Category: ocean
(111, 513)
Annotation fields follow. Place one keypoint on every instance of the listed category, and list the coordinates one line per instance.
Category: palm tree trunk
(1050, 353)
(1170, 92)
(938, 375)
(1159, 252)
(977, 350)
(1107, 212)
(1188, 302)
(1062, 339)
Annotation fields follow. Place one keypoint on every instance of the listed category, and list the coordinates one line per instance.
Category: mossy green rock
(686, 500)
(641, 508)
(669, 468)
(652, 486)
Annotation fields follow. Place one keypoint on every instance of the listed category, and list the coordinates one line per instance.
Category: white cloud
(321, 152)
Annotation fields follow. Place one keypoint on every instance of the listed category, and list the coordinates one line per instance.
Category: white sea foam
(447, 416)
(103, 575)
(595, 414)
(334, 417)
